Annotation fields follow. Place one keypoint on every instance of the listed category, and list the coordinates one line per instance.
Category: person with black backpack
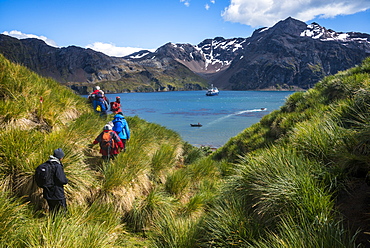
(51, 177)
(110, 143)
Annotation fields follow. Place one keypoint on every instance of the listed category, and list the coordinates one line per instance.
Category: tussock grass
(279, 179)
(176, 232)
(191, 154)
(164, 158)
(322, 139)
(150, 210)
(273, 185)
(322, 234)
(287, 183)
(13, 216)
(230, 224)
(177, 183)
(203, 168)
(81, 228)
(20, 98)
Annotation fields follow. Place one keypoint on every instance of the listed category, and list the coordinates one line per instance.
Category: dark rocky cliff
(290, 55)
(287, 56)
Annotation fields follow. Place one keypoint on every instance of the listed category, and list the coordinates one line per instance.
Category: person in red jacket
(115, 107)
(110, 143)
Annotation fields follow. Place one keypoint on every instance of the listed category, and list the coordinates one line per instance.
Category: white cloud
(213, 1)
(108, 49)
(112, 50)
(186, 2)
(268, 12)
(19, 35)
(207, 6)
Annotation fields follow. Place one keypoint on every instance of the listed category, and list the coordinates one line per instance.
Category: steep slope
(327, 125)
(104, 198)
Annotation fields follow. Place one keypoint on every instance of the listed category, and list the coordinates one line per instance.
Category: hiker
(120, 126)
(54, 193)
(110, 143)
(93, 94)
(115, 107)
(99, 101)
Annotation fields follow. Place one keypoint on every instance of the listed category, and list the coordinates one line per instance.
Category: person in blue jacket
(120, 126)
(99, 101)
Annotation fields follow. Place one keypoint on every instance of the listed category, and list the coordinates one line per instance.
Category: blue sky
(120, 27)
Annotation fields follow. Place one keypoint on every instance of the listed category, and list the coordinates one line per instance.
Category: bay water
(221, 117)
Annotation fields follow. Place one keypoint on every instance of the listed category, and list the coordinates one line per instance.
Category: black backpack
(44, 175)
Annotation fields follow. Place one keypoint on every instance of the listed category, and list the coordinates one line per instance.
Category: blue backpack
(118, 125)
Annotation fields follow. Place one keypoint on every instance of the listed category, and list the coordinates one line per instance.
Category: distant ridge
(289, 55)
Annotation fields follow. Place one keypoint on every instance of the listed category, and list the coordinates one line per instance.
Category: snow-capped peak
(220, 52)
(315, 31)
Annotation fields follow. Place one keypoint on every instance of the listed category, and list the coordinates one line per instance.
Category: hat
(58, 153)
(117, 97)
(107, 127)
(97, 87)
(110, 124)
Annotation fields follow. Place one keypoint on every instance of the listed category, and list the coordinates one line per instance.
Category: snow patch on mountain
(315, 31)
(138, 55)
(263, 30)
(214, 52)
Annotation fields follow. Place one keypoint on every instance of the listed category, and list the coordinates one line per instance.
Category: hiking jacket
(95, 94)
(56, 192)
(117, 141)
(121, 127)
(115, 107)
(100, 102)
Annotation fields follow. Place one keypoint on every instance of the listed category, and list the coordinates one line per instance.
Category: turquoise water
(222, 116)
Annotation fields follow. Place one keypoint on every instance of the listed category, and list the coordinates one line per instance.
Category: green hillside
(110, 204)
(301, 172)
(280, 183)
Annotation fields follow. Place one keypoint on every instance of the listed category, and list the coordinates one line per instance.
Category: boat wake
(236, 113)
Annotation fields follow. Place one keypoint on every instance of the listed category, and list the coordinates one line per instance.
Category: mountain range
(289, 55)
